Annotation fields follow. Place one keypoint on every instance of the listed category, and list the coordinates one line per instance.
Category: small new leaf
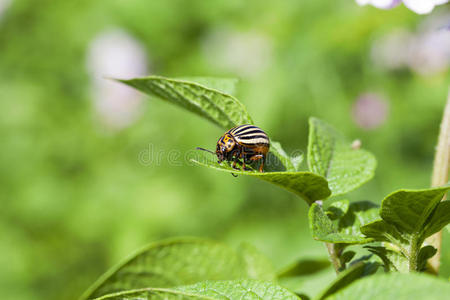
(425, 253)
(332, 156)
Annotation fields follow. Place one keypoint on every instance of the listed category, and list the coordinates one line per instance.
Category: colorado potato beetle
(247, 142)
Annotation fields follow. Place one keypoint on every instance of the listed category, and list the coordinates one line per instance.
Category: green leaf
(207, 97)
(211, 290)
(396, 286)
(218, 107)
(304, 267)
(358, 214)
(256, 265)
(337, 209)
(240, 289)
(392, 260)
(307, 185)
(178, 262)
(152, 294)
(408, 210)
(439, 219)
(346, 257)
(224, 85)
(398, 260)
(332, 156)
(425, 253)
(345, 230)
(321, 227)
(381, 231)
(309, 286)
(290, 163)
(347, 277)
(297, 161)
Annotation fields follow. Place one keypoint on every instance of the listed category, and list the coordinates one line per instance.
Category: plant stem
(333, 252)
(440, 177)
(334, 257)
(413, 255)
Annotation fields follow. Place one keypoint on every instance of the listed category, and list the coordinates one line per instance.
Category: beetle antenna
(198, 148)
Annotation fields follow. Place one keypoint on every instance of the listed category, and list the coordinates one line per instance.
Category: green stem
(334, 257)
(413, 255)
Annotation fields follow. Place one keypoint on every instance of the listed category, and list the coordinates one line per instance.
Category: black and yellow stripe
(249, 135)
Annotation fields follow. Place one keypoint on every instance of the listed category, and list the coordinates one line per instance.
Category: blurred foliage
(75, 196)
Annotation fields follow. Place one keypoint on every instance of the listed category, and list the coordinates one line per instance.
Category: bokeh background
(88, 172)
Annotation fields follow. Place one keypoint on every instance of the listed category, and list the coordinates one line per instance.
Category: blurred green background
(77, 195)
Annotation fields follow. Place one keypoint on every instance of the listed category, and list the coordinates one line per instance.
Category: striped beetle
(246, 142)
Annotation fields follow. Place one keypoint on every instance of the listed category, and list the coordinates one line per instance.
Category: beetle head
(225, 144)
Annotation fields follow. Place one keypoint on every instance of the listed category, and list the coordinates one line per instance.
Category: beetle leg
(234, 163)
(242, 155)
(262, 164)
(236, 159)
(257, 157)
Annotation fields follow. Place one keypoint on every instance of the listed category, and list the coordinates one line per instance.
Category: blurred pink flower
(370, 111)
(426, 52)
(418, 6)
(115, 54)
